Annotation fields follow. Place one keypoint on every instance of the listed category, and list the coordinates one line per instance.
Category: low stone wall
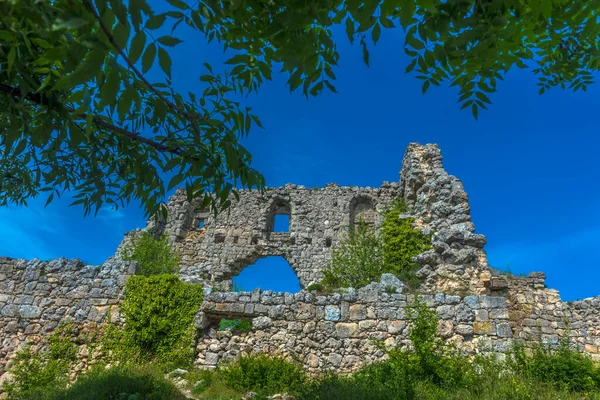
(335, 332)
(36, 296)
(538, 314)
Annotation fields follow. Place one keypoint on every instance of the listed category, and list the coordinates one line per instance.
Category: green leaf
(411, 66)
(425, 86)
(350, 29)
(12, 53)
(175, 181)
(49, 200)
(156, 21)
(6, 36)
(86, 70)
(108, 92)
(165, 61)
(121, 35)
(42, 43)
(137, 46)
(376, 33)
(483, 97)
(475, 111)
(179, 4)
(169, 41)
(407, 11)
(365, 52)
(546, 8)
(414, 42)
(148, 58)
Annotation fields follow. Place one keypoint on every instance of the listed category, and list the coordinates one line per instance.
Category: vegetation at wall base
(39, 372)
(430, 370)
(366, 254)
(159, 311)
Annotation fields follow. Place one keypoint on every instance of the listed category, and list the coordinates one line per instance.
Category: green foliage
(154, 254)
(356, 261)
(120, 383)
(437, 371)
(364, 256)
(240, 325)
(315, 287)
(209, 385)
(159, 311)
(73, 77)
(561, 367)
(402, 242)
(35, 374)
(263, 374)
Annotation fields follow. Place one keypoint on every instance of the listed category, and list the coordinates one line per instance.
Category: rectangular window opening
(281, 223)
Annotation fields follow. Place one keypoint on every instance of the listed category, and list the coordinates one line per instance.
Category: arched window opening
(279, 218)
(269, 273)
(362, 210)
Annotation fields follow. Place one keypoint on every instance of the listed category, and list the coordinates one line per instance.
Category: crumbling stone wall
(230, 242)
(335, 332)
(538, 314)
(457, 263)
(36, 296)
(216, 249)
(479, 309)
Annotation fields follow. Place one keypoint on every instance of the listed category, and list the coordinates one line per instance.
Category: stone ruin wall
(225, 245)
(478, 309)
(36, 296)
(335, 332)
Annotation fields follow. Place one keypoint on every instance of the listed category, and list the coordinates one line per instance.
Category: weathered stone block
(332, 313)
(347, 330)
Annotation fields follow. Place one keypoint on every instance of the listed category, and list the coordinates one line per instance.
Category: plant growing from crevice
(365, 254)
(158, 312)
(33, 374)
(357, 260)
(154, 254)
(402, 242)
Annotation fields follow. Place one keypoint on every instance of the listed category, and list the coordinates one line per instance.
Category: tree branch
(38, 99)
(136, 71)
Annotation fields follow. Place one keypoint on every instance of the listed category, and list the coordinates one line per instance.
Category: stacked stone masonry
(479, 309)
(335, 332)
(36, 296)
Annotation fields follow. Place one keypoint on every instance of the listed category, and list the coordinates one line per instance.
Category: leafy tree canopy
(79, 114)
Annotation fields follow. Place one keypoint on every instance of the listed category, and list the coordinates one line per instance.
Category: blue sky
(529, 164)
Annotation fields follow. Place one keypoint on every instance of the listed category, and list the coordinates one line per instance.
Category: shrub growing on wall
(366, 254)
(37, 373)
(154, 254)
(402, 242)
(357, 260)
(159, 312)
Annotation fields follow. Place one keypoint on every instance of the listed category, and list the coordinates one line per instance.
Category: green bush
(355, 261)
(153, 254)
(120, 383)
(240, 325)
(562, 367)
(434, 370)
(35, 374)
(159, 311)
(402, 242)
(263, 374)
(365, 255)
